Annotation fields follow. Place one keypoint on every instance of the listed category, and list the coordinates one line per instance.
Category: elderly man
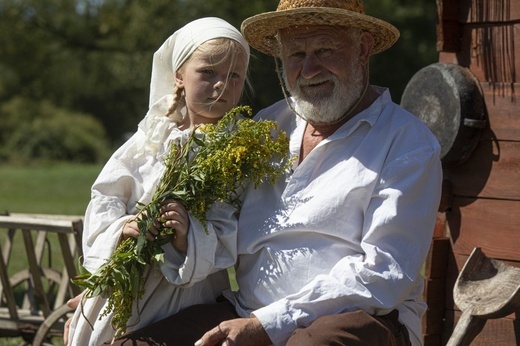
(333, 254)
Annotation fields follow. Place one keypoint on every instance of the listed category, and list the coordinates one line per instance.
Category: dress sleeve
(209, 250)
(104, 220)
(113, 199)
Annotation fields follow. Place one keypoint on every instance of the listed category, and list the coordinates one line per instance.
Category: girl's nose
(218, 85)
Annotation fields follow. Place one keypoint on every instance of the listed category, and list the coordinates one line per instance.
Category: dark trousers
(356, 328)
(350, 328)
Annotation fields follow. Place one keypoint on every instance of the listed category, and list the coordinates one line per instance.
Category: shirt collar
(368, 115)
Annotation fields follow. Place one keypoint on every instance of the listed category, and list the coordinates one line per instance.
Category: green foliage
(94, 57)
(88, 56)
(215, 164)
(415, 48)
(41, 131)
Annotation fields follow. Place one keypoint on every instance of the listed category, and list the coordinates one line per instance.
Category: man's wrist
(263, 337)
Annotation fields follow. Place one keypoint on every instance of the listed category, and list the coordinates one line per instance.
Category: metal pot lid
(448, 99)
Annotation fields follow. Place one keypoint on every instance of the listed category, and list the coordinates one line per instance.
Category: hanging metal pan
(447, 97)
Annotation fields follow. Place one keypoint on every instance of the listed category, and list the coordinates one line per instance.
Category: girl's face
(212, 83)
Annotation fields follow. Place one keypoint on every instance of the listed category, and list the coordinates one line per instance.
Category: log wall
(481, 199)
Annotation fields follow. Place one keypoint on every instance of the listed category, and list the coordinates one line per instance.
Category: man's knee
(351, 328)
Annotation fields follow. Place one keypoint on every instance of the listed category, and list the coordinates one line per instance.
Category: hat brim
(260, 30)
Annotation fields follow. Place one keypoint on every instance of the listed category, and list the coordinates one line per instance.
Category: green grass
(61, 188)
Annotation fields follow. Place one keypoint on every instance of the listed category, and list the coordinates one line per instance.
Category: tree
(415, 48)
(88, 56)
(94, 56)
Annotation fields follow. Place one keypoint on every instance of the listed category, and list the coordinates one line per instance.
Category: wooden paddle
(486, 288)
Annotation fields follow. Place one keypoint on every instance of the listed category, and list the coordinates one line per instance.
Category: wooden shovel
(486, 288)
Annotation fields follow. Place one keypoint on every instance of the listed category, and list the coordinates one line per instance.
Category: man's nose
(311, 67)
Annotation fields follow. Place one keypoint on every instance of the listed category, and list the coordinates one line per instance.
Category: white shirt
(348, 230)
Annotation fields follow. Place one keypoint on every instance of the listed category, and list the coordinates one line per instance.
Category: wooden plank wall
(482, 195)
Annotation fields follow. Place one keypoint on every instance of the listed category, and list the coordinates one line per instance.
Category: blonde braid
(178, 102)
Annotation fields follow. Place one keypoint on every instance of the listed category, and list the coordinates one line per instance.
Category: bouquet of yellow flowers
(216, 163)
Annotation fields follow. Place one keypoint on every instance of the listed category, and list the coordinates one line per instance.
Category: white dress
(130, 176)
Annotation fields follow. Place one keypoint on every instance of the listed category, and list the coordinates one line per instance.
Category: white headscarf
(167, 60)
(178, 48)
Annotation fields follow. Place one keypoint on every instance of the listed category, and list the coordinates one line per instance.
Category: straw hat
(260, 30)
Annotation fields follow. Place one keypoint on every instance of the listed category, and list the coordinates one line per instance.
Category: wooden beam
(486, 223)
(449, 30)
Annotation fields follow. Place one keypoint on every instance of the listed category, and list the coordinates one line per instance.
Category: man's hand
(240, 331)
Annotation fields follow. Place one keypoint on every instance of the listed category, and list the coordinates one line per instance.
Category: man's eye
(296, 56)
(324, 52)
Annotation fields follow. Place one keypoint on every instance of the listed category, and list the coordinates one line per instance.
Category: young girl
(198, 75)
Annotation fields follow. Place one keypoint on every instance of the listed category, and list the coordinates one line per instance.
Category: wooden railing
(34, 288)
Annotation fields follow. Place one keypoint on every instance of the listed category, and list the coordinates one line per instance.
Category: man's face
(323, 70)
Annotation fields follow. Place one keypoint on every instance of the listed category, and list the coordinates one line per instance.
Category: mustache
(321, 79)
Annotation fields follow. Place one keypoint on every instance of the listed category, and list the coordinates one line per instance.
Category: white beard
(317, 108)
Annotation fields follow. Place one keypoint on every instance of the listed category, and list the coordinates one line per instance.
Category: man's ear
(367, 44)
(179, 81)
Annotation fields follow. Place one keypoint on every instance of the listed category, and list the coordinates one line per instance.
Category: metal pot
(448, 98)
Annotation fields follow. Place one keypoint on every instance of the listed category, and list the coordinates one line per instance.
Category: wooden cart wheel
(23, 277)
(52, 326)
(52, 275)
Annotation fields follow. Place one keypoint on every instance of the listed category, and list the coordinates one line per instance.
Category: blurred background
(75, 74)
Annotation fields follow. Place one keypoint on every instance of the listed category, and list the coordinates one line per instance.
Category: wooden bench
(32, 299)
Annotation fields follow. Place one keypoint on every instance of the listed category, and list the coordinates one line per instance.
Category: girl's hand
(176, 218)
(130, 230)
(72, 303)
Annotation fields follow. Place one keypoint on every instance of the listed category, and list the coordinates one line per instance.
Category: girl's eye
(208, 71)
(234, 75)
